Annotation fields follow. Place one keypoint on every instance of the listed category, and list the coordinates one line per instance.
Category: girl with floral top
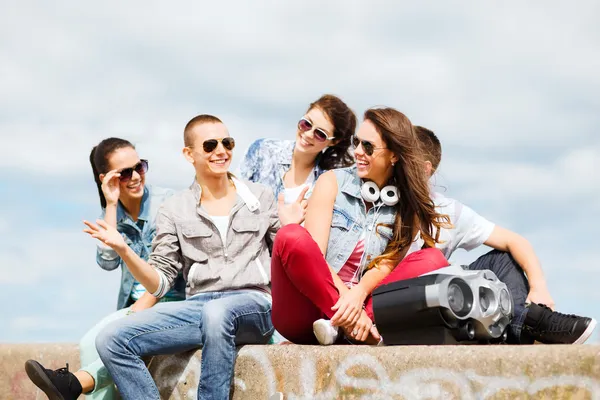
(322, 142)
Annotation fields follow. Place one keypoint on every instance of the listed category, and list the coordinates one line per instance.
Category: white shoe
(276, 396)
(325, 333)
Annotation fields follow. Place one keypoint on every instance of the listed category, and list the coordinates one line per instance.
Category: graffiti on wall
(362, 376)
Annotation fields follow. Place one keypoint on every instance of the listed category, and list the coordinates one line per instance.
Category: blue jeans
(217, 321)
(510, 273)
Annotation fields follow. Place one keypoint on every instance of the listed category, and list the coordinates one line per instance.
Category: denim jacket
(350, 220)
(139, 237)
(267, 160)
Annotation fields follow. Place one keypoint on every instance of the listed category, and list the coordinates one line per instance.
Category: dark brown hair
(188, 138)
(99, 160)
(430, 146)
(415, 211)
(344, 124)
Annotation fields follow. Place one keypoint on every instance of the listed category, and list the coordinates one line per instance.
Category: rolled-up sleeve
(106, 257)
(166, 252)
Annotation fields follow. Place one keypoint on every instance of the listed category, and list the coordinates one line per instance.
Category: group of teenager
(293, 244)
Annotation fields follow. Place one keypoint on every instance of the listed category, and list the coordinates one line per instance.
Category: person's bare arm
(165, 258)
(144, 302)
(521, 250)
(319, 214)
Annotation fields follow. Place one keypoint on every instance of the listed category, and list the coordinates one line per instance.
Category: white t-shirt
(291, 194)
(470, 230)
(221, 222)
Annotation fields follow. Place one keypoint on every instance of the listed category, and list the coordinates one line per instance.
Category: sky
(511, 89)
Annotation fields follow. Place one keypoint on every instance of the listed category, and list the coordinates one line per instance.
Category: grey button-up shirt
(187, 240)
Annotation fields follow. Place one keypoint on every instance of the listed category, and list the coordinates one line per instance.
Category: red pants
(302, 286)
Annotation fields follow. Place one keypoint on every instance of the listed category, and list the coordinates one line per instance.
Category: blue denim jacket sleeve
(107, 258)
(250, 163)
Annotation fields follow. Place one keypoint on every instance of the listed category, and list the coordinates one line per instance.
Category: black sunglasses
(211, 144)
(367, 146)
(141, 168)
(305, 125)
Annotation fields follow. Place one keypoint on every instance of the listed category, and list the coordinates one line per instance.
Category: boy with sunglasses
(511, 258)
(219, 234)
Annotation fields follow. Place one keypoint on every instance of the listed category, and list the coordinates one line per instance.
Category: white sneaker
(325, 333)
(276, 396)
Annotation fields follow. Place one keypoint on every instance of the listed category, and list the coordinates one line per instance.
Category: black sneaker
(58, 385)
(552, 327)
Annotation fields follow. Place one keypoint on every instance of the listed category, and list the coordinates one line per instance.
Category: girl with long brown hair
(359, 224)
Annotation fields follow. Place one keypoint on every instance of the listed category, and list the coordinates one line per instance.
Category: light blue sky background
(511, 89)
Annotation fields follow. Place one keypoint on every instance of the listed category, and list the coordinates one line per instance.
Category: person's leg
(301, 285)
(533, 322)
(504, 266)
(92, 375)
(237, 318)
(166, 328)
(102, 386)
(412, 266)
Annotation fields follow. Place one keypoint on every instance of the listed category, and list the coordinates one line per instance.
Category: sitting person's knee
(289, 237)
(110, 335)
(215, 317)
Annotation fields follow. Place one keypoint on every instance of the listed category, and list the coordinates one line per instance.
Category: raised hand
(292, 213)
(110, 187)
(106, 234)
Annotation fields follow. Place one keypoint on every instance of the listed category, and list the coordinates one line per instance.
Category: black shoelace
(557, 323)
(63, 370)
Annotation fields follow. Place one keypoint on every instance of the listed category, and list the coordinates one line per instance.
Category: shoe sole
(35, 372)
(321, 333)
(587, 333)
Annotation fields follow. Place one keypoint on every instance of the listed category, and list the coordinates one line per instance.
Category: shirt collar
(122, 214)
(287, 152)
(242, 190)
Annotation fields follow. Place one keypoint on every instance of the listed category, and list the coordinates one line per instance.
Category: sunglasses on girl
(141, 168)
(367, 146)
(305, 125)
(211, 144)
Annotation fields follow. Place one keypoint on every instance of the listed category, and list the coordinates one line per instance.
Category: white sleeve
(472, 230)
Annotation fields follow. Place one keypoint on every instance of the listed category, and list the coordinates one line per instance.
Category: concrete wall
(359, 372)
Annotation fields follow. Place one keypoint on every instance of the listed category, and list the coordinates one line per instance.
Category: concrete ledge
(359, 372)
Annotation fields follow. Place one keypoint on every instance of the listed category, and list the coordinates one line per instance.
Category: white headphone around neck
(388, 195)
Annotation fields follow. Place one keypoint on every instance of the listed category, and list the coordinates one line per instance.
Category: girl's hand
(349, 307)
(110, 187)
(106, 234)
(361, 330)
(540, 296)
(292, 213)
